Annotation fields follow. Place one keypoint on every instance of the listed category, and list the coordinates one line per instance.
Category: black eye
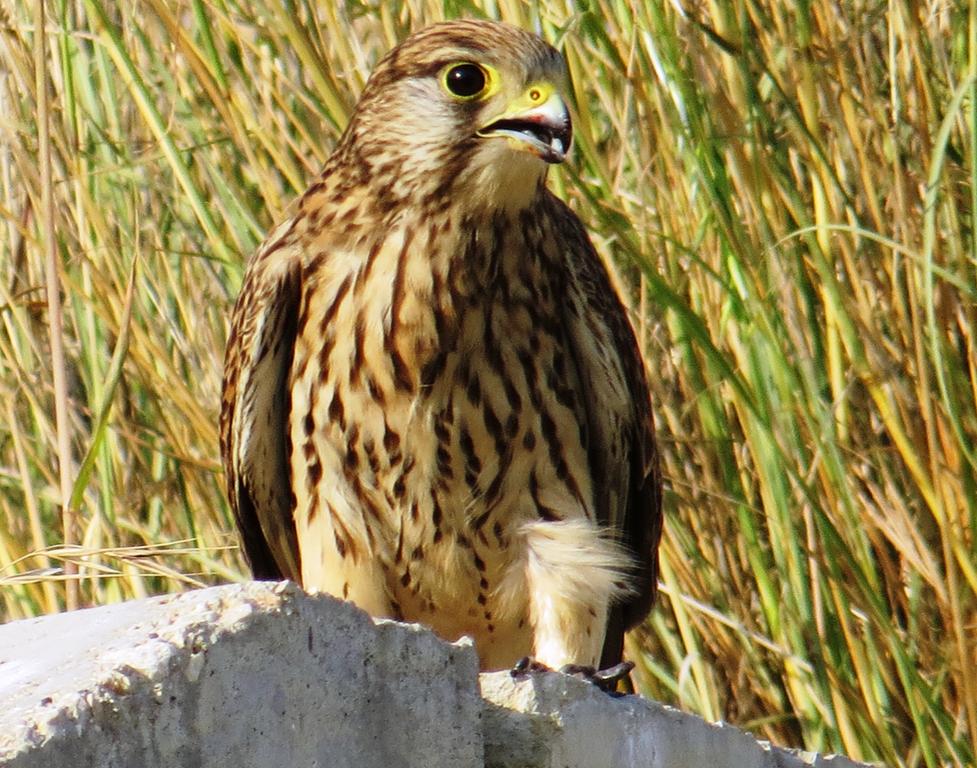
(465, 80)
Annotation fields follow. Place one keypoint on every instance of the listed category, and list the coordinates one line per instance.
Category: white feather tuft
(571, 572)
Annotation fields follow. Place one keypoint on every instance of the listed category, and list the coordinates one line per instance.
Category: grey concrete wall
(264, 675)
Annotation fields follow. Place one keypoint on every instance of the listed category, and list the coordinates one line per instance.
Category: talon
(527, 666)
(605, 679)
(520, 667)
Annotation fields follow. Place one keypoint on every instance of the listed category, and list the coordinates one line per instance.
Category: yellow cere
(536, 94)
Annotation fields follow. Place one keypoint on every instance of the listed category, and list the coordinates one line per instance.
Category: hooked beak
(538, 122)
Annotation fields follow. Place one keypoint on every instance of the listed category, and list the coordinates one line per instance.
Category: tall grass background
(785, 193)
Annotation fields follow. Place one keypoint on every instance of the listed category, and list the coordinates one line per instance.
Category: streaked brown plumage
(434, 405)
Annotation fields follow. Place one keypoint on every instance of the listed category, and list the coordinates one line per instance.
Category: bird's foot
(605, 679)
(527, 666)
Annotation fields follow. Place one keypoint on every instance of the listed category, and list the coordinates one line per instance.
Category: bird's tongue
(541, 134)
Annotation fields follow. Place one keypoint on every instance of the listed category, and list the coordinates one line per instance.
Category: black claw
(605, 679)
(527, 666)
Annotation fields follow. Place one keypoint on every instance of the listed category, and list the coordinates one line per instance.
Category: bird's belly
(412, 498)
(451, 543)
(467, 589)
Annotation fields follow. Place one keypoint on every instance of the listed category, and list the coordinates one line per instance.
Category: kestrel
(434, 405)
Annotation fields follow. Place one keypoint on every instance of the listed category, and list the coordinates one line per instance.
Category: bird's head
(467, 106)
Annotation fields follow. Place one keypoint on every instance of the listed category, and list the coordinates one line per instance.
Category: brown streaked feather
(254, 410)
(622, 451)
(435, 336)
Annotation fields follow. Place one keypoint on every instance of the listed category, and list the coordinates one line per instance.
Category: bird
(434, 404)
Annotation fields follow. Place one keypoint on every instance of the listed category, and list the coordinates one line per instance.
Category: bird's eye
(465, 80)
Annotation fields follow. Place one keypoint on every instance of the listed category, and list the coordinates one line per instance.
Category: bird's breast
(434, 413)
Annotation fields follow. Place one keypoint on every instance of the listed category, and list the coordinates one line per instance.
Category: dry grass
(788, 195)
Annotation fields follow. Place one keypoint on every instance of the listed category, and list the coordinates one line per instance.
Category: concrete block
(555, 721)
(264, 675)
(245, 675)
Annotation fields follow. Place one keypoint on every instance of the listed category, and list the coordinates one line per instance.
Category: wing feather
(621, 431)
(255, 407)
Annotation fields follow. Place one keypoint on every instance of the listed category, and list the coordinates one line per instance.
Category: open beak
(538, 123)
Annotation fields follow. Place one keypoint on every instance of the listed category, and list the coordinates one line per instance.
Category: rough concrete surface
(557, 721)
(251, 675)
(263, 675)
